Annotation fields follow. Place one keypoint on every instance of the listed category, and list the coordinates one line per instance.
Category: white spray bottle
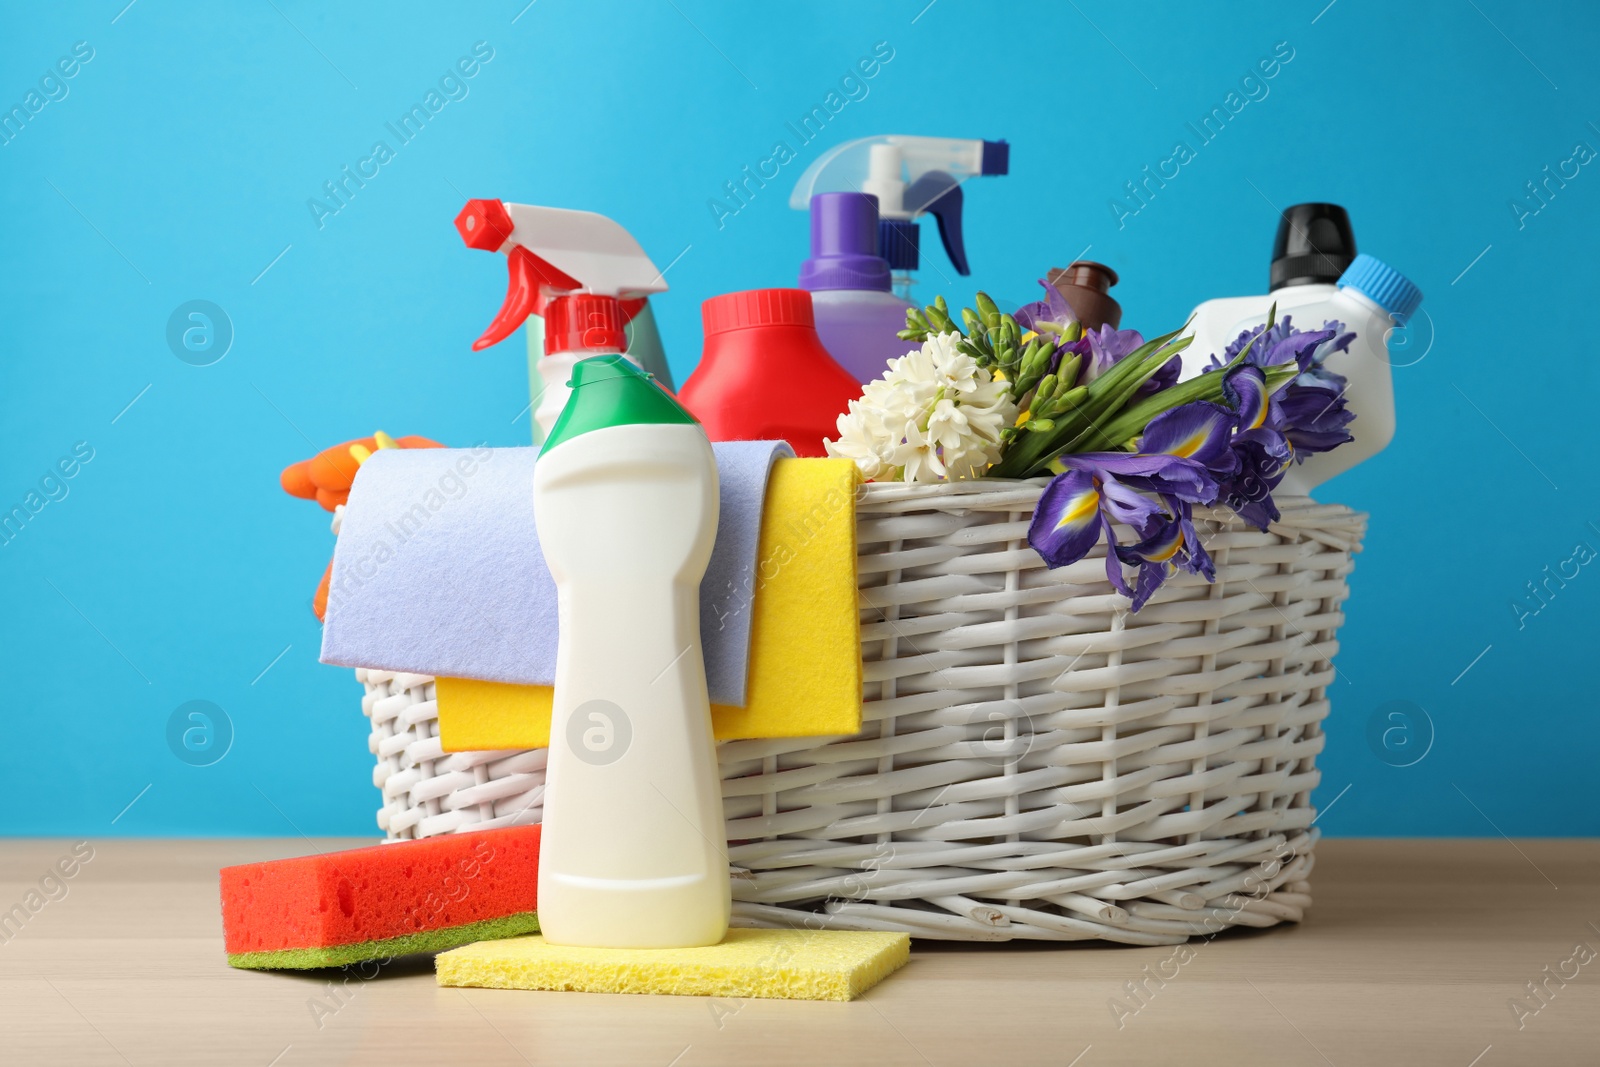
(634, 848)
(911, 177)
(573, 269)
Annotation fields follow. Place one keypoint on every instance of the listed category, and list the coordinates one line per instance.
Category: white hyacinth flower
(935, 415)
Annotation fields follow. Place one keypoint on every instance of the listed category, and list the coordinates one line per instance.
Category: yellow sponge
(778, 964)
(805, 634)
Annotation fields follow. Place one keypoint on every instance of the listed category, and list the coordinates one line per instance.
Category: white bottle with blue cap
(1373, 300)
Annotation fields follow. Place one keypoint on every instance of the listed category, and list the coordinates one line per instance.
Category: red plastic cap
(757, 307)
(584, 322)
(484, 224)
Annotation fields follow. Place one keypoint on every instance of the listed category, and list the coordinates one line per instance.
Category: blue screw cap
(1383, 285)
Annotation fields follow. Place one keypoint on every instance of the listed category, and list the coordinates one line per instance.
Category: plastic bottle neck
(1306, 291)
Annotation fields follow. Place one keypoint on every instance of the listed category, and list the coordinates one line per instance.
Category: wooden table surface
(1413, 954)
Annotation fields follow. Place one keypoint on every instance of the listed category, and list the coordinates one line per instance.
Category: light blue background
(179, 167)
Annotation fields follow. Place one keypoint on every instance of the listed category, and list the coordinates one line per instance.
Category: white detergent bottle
(634, 850)
(1313, 247)
(1373, 300)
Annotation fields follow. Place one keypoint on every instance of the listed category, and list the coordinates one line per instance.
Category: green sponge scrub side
(302, 959)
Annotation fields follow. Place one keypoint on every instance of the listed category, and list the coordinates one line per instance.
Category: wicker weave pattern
(427, 791)
(1035, 762)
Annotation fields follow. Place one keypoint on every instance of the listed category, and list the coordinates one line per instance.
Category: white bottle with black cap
(1313, 247)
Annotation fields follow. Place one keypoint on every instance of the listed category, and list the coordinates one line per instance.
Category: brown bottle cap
(1085, 285)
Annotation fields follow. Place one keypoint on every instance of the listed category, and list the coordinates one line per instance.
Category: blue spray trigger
(938, 194)
(996, 158)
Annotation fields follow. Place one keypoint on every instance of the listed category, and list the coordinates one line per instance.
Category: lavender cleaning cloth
(438, 569)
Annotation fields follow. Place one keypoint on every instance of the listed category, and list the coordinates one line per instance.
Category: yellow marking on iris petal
(1261, 417)
(1085, 506)
(1162, 557)
(1192, 443)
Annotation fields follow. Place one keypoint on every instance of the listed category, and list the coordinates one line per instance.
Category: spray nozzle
(940, 196)
(581, 270)
(911, 177)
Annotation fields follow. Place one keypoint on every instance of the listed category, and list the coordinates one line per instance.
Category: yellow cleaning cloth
(805, 638)
(777, 964)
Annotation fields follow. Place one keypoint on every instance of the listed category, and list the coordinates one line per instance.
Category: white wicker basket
(1035, 761)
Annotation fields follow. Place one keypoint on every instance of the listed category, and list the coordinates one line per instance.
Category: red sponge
(388, 900)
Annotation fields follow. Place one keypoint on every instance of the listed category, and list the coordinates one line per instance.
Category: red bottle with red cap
(764, 374)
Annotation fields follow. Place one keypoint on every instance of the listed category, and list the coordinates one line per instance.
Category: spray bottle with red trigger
(581, 279)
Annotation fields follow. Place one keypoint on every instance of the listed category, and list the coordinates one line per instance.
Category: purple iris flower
(1080, 348)
(1151, 491)
(1283, 343)
(1315, 415)
(1259, 446)
(1174, 544)
(1307, 416)
(1340, 342)
(1107, 347)
(1199, 453)
(1165, 378)
(1053, 309)
(1249, 493)
(1101, 348)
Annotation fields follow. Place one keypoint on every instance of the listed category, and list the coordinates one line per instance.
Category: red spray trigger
(530, 277)
(486, 225)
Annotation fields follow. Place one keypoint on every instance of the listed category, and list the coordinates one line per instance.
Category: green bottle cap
(612, 391)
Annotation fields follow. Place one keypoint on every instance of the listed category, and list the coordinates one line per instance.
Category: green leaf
(1133, 362)
(1107, 404)
(1068, 418)
(1207, 386)
(1087, 428)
